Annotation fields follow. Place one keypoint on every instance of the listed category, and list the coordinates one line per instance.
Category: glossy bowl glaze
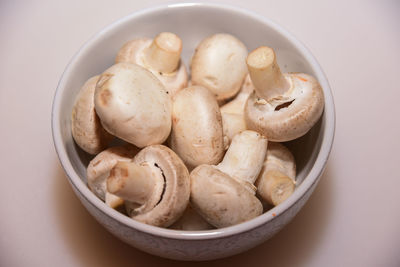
(192, 22)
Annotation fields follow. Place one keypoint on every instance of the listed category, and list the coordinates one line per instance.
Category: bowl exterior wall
(195, 250)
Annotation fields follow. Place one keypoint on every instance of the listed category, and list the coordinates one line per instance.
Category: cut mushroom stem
(244, 158)
(276, 188)
(276, 181)
(265, 73)
(135, 183)
(164, 52)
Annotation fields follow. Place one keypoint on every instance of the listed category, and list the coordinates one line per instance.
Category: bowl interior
(192, 22)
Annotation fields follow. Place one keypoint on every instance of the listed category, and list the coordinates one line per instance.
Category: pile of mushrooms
(197, 153)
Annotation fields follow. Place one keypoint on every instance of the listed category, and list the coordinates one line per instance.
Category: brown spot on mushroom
(121, 172)
(105, 96)
(96, 163)
(175, 119)
(103, 79)
(301, 78)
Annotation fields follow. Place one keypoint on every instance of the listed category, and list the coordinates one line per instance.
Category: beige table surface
(352, 219)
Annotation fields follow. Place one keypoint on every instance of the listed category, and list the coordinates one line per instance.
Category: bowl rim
(274, 213)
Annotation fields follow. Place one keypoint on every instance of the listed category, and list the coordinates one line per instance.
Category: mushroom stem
(275, 187)
(164, 52)
(132, 182)
(232, 124)
(265, 73)
(244, 158)
(276, 181)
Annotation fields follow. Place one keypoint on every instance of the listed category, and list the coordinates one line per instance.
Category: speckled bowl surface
(193, 22)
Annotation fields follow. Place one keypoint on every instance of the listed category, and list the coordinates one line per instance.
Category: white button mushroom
(224, 195)
(233, 112)
(283, 106)
(197, 134)
(191, 221)
(85, 124)
(156, 182)
(219, 64)
(99, 169)
(276, 181)
(133, 105)
(162, 56)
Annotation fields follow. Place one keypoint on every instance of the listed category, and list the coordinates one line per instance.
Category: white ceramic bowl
(192, 22)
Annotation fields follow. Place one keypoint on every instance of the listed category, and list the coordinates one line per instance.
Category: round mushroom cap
(85, 124)
(221, 200)
(289, 116)
(134, 52)
(175, 196)
(197, 134)
(100, 166)
(133, 105)
(219, 64)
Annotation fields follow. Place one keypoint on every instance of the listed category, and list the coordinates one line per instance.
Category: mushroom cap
(175, 196)
(219, 64)
(85, 124)
(133, 52)
(191, 221)
(290, 116)
(221, 200)
(197, 134)
(276, 181)
(133, 105)
(100, 166)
